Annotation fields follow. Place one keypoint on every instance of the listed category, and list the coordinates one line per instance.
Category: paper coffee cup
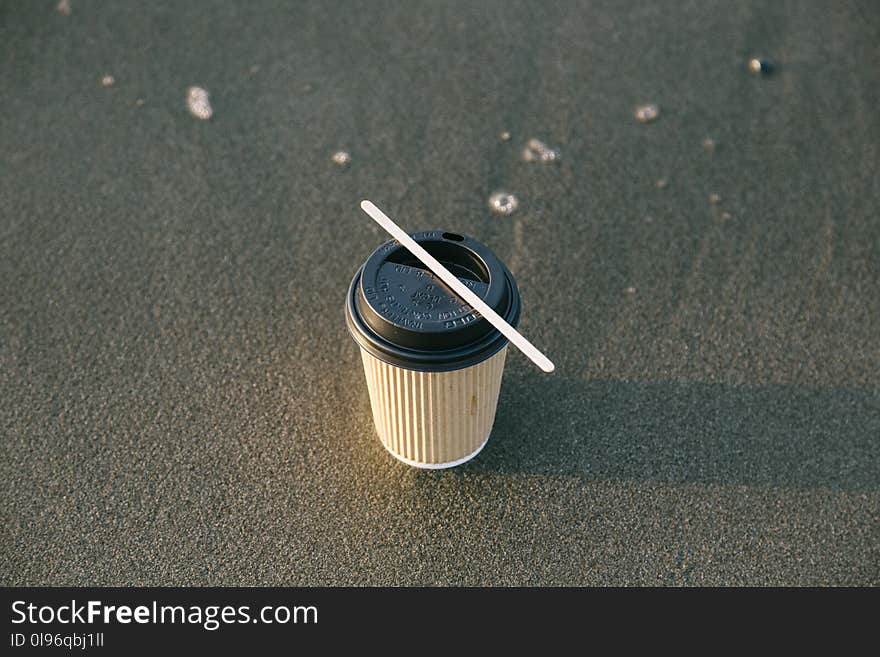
(433, 366)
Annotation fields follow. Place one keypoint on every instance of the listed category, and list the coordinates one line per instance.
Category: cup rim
(412, 359)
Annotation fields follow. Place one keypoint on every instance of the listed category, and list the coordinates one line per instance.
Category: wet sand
(180, 401)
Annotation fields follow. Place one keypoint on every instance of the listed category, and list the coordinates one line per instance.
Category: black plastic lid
(402, 314)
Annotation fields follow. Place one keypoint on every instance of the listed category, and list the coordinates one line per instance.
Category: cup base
(437, 466)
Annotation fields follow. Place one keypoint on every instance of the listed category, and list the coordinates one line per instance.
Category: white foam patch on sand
(198, 103)
(538, 151)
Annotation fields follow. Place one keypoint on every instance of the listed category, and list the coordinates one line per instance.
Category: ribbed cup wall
(434, 419)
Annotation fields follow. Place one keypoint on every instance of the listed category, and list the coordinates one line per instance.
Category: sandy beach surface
(180, 401)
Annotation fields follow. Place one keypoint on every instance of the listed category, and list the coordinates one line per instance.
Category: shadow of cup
(775, 435)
